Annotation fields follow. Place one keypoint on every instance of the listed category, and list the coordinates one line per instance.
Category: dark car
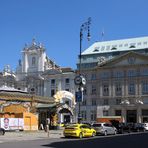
(2, 131)
(138, 127)
(121, 126)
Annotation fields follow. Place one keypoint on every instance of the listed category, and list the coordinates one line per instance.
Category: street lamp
(80, 80)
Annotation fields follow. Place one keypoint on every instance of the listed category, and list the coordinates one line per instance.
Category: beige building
(117, 80)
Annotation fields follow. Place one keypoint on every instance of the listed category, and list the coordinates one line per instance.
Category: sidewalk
(31, 135)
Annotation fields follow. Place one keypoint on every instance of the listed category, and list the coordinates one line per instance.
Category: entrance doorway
(66, 118)
(131, 116)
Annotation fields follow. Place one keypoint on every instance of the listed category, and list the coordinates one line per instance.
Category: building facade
(117, 80)
(39, 75)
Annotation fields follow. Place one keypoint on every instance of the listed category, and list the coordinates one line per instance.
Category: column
(139, 117)
(123, 111)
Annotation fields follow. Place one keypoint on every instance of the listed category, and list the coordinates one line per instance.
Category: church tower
(33, 58)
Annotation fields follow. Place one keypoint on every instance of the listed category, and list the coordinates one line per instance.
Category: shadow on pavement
(124, 141)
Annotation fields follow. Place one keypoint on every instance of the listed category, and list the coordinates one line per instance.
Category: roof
(46, 105)
(67, 69)
(10, 89)
(117, 45)
(19, 96)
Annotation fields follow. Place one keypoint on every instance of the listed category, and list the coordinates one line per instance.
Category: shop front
(62, 111)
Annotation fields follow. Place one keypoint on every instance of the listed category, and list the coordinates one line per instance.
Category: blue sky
(56, 24)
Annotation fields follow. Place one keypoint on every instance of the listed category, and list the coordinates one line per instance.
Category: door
(131, 116)
(66, 118)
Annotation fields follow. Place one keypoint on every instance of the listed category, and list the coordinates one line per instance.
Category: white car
(104, 128)
(146, 126)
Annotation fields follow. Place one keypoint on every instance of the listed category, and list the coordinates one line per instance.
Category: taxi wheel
(93, 134)
(80, 135)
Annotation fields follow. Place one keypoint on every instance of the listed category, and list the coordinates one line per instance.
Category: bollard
(47, 127)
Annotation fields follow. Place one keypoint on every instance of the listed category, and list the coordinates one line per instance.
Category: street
(136, 140)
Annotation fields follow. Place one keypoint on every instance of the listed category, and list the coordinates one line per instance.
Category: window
(93, 76)
(114, 47)
(118, 101)
(125, 45)
(144, 72)
(120, 45)
(106, 102)
(105, 112)
(105, 90)
(145, 115)
(107, 47)
(33, 61)
(118, 89)
(52, 92)
(53, 82)
(117, 112)
(139, 43)
(131, 88)
(67, 80)
(145, 100)
(96, 50)
(93, 91)
(94, 102)
(131, 60)
(93, 115)
(105, 75)
(145, 87)
(102, 48)
(131, 73)
(144, 112)
(132, 45)
(67, 102)
(144, 43)
(32, 89)
(118, 74)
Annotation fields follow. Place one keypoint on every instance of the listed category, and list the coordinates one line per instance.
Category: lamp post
(80, 80)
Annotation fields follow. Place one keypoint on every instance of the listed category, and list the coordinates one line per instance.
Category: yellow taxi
(79, 130)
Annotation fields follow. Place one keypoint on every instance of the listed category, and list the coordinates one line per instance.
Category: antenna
(102, 35)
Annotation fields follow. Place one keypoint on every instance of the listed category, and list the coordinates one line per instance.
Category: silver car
(104, 128)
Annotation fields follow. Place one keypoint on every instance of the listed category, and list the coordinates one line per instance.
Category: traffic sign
(79, 96)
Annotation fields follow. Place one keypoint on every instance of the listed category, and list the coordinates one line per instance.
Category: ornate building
(37, 74)
(117, 80)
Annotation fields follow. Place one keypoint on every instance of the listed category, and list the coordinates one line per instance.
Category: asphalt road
(119, 141)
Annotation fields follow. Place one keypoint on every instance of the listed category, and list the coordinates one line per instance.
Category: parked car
(146, 126)
(138, 127)
(121, 126)
(79, 130)
(104, 128)
(2, 131)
